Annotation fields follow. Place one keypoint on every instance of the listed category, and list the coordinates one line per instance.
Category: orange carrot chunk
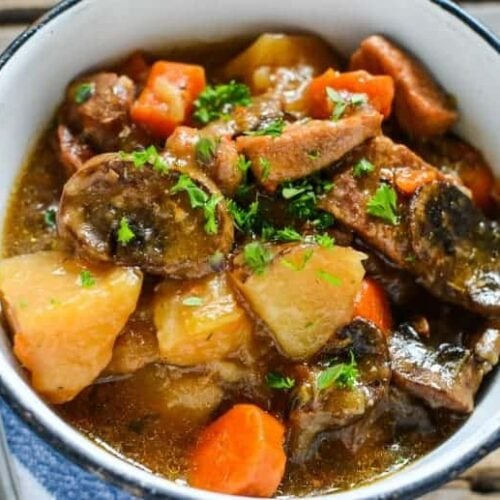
(408, 180)
(379, 89)
(241, 453)
(167, 100)
(372, 304)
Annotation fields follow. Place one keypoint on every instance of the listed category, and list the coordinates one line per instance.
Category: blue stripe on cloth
(61, 478)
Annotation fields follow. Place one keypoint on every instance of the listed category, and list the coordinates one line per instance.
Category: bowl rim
(93, 463)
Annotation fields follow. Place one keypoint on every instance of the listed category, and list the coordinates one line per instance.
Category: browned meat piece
(221, 166)
(97, 107)
(440, 236)
(317, 409)
(446, 377)
(305, 148)
(73, 153)
(420, 105)
(113, 211)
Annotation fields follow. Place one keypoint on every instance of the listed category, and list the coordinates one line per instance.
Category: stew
(257, 268)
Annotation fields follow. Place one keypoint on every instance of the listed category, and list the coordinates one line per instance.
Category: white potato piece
(199, 321)
(63, 330)
(273, 51)
(304, 295)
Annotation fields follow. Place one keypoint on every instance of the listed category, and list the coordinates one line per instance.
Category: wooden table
(481, 481)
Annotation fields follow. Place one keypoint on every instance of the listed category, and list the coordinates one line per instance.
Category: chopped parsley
(324, 240)
(314, 154)
(328, 278)
(84, 92)
(199, 199)
(23, 304)
(243, 164)
(193, 301)
(244, 219)
(125, 233)
(273, 128)
(257, 256)
(343, 375)
(286, 234)
(383, 204)
(363, 167)
(265, 168)
(342, 100)
(205, 150)
(148, 156)
(86, 279)
(276, 380)
(49, 217)
(55, 302)
(306, 257)
(217, 101)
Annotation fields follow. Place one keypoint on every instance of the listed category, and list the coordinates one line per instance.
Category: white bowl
(79, 34)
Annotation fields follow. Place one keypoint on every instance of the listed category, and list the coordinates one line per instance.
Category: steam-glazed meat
(73, 152)
(97, 107)
(445, 377)
(319, 406)
(437, 233)
(421, 106)
(305, 148)
(169, 223)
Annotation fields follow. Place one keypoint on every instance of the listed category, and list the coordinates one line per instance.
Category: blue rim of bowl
(128, 483)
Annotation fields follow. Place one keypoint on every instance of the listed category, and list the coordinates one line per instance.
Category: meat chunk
(73, 152)
(305, 148)
(445, 377)
(111, 210)
(65, 315)
(97, 106)
(439, 235)
(318, 408)
(422, 108)
(219, 160)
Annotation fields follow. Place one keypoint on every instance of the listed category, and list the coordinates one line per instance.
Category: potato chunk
(199, 321)
(65, 315)
(304, 295)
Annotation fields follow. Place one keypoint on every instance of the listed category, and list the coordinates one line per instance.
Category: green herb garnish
(383, 204)
(244, 219)
(273, 128)
(363, 167)
(287, 234)
(265, 168)
(217, 101)
(148, 156)
(84, 92)
(324, 240)
(276, 380)
(314, 154)
(86, 279)
(125, 233)
(205, 150)
(306, 257)
(49, 217)
(210, 212)
(341, 101)
(257, 256)
(193, 301)
(328, 278)
(343, 375)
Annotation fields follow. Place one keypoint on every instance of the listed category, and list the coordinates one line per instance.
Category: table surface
(481, 481)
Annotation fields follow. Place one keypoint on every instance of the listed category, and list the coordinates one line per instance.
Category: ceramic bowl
(79, 34)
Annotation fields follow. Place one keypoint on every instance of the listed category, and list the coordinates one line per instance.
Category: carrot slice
(379, 89)
(241, 453)
(167, 100)
(372, 304)
(408, 180)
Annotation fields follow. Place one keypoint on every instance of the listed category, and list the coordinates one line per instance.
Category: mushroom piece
(170, 222)
(319, 406)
